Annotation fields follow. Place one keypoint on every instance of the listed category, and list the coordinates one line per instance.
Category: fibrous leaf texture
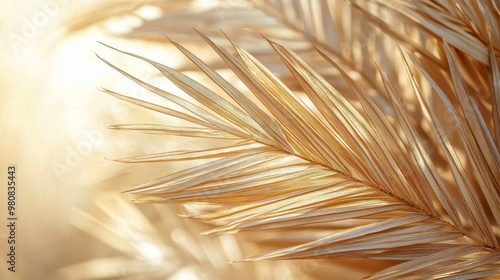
(402, 164)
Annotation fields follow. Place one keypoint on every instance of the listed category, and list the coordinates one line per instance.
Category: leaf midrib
(394, 196)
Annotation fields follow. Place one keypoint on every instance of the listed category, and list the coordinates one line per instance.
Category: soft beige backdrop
(72, 221)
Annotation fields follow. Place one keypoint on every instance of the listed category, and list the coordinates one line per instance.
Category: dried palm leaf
(361, 152)
(321, 159)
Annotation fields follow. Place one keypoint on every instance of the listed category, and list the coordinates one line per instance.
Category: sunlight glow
(149, 12)
(151, 252)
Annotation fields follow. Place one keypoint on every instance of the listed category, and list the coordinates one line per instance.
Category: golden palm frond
(399, 161)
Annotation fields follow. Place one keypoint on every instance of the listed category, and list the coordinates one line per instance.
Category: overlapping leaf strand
(467, 191)
(347, 125)
(427, 170)
(268, 124)
(495, 73)
(302, 123)
(203, 95)
(385, 141)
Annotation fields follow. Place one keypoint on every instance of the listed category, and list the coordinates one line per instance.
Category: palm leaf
(397, 161)
(323, 158)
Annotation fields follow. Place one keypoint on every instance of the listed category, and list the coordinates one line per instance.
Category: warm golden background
(72, 221)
